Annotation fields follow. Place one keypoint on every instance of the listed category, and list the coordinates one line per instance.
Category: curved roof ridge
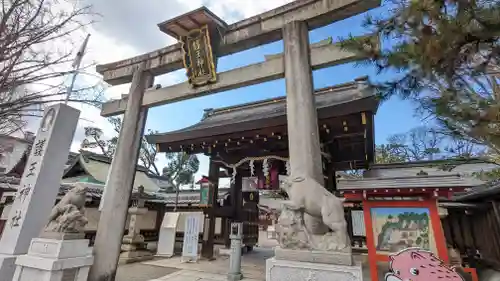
(320, 91)
(273, 108)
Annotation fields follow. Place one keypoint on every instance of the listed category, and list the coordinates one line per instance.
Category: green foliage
(444, 54)
(384, 154)
(94, 138)
(181, 168)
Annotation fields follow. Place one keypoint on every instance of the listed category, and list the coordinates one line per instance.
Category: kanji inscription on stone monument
(39, 147)
(39, 184)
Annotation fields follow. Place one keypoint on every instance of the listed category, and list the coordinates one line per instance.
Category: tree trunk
(177, 187)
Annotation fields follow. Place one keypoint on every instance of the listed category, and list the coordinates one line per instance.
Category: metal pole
(71, 85)
(76, 67)
(235, 258)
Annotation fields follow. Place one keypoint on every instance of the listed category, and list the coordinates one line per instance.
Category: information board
(358, 223)
(191, 237)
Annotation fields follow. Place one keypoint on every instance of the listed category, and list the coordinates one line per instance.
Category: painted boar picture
(415, 264)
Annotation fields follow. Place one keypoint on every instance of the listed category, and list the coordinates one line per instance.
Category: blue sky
(394, 116)
(385, 211)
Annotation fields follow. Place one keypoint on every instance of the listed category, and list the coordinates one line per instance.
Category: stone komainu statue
(309, 198)
(68, 216)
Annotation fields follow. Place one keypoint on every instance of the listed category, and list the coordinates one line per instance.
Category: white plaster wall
(147, 221)
(92, 215)
(181, 224)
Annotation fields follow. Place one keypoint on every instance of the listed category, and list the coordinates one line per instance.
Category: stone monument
(60, 253)
(304, 255)
(39, 185)
(133, 246)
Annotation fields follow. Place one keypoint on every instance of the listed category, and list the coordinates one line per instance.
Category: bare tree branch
(33, 61)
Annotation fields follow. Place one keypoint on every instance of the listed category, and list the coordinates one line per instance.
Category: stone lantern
(133, 246)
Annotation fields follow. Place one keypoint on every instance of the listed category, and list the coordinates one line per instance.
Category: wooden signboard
(198, 57)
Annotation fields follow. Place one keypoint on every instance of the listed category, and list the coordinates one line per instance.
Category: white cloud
(129, 27)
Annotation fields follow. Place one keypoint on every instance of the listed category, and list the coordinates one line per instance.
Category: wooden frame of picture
(434, 228)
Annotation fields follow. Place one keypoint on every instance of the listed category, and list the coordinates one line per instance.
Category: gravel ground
(142, 272)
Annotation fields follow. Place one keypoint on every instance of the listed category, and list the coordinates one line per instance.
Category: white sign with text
(191, 237)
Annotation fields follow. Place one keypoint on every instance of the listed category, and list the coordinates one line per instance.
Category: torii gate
(290, 22)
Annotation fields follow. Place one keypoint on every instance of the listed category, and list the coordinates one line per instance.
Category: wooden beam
(322, 55)
(246, 34)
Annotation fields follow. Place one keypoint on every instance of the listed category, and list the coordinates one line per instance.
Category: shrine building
(250, 140)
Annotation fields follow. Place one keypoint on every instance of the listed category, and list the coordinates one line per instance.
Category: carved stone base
(135, 239)
(134, 247)
(135, 256)
(54, 260)
(338, 258)
(286, 270)
(61, 235)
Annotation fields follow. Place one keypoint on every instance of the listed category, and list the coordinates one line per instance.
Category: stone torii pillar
(302, 119)
(120, 182)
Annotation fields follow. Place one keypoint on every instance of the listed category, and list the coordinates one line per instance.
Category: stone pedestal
(134, 249)
(54, 260)
(300, 265)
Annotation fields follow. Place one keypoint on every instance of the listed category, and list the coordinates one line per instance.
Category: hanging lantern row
(239, 141)
(266, 166)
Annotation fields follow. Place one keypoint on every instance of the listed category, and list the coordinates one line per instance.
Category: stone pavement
(142, 272)
(190, 275)
(253, 266)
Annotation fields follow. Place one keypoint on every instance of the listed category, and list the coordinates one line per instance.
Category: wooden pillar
(330, 180)
(207, 244)
(225, 230)
(237, 198)
(160, 213)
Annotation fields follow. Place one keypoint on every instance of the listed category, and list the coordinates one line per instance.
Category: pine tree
(445, 55)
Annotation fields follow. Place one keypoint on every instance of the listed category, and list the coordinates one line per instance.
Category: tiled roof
(186, 197)
(266, 109)
(484, 191)
(88, 155)
(416, 181)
